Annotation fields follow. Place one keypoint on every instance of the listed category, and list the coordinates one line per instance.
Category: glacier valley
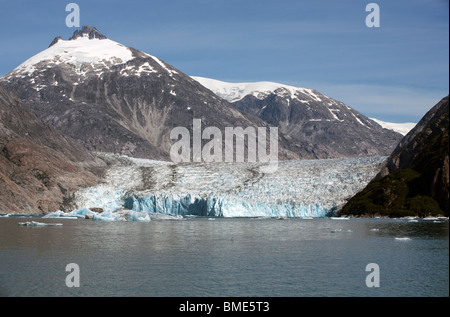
(141, 190)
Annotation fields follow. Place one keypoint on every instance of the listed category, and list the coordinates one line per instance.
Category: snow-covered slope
(402, 128)
(236, 91)
(88, 54)
(307, 188)
(78, 51)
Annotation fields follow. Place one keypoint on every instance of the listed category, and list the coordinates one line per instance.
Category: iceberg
(124, 215)
(55, 214)
(303, 189)
(341, 231)
(38, 224)
(84, 213)
(74, 214)
(339, 218)
(402, 238)
(60, 214)
(108, 216)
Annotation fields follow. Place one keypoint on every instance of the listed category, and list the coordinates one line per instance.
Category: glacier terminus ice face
(304, 188)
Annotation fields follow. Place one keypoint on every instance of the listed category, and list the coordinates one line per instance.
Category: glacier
(139, 189)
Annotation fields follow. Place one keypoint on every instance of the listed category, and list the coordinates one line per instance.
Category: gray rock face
(319, 126)
(322, 126)
(122, 101)
(55, 40)
(40, 169)
(89, 31)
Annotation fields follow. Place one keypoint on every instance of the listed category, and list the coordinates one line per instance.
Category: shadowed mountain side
(415, 179)
(40, 169)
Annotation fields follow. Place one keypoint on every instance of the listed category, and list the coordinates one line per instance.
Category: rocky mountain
(415, 178)
(319, 125)
(113, 98)
(40, 169)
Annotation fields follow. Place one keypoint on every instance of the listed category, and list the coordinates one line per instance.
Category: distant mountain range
(319, 125)
(113, 98)
(234, 92)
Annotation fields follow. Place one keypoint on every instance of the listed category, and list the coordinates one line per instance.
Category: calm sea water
(201, 257)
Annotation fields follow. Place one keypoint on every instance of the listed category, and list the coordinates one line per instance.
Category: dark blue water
(225, 257)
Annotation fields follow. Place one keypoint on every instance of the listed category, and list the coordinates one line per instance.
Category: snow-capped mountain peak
(90, 53)
(89, 32)
(85, 46)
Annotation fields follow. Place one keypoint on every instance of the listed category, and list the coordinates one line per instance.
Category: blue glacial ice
(134, 189)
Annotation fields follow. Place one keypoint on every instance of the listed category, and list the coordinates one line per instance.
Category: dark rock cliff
(415, 179)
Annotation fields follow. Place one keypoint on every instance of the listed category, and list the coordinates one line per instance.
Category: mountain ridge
(113, 98)
(118, 99)
(325, 127)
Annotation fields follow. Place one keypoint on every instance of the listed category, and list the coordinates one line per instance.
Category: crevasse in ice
(305, 188)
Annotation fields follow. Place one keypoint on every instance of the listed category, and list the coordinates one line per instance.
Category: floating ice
(120, 215)
(341, 231)
(108, 216)
(38, 224)
(75, 214)
(54, 214)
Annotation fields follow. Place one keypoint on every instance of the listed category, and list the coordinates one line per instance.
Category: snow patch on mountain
(233, 92)
(402, 128)
(97, 52)
(161, 63)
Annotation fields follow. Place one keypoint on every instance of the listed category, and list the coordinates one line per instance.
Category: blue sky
(395, 72)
